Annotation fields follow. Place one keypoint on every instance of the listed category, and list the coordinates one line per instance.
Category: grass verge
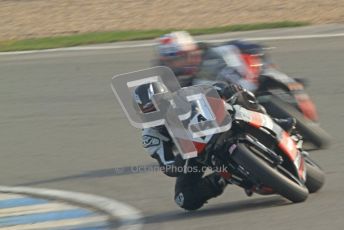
(115, 36)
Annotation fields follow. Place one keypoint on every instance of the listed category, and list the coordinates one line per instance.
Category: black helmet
(143, 95)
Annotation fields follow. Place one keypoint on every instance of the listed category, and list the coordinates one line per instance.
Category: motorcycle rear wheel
(310, 130)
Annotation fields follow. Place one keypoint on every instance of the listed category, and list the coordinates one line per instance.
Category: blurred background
(37, 18)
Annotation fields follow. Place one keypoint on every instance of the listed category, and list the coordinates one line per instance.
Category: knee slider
(188, 200)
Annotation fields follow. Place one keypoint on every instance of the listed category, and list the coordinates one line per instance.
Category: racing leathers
(192, 188)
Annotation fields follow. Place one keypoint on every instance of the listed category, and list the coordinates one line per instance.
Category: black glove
(227, 91)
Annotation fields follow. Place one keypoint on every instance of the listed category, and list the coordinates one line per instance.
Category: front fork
(235, 174)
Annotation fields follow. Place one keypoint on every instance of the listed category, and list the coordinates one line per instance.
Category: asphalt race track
(62, 128)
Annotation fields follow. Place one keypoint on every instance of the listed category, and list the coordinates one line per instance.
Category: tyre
(315, 178)
(267, 175)
(310, 130)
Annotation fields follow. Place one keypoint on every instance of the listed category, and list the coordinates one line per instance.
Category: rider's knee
(188, 200)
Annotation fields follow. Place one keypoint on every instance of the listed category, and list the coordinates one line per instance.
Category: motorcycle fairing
(284, 141)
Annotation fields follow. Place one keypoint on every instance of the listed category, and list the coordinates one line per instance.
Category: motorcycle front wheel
(261, 170)
(315, 178)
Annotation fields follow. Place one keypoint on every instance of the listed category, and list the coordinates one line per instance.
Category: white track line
(80, 48)
(128, 217)
(35, 209)
(57, 223)
(9, 196)
(292, 37)
(107, 47)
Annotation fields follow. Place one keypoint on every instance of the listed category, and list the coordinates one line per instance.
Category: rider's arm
(159, 145)
(235, 94)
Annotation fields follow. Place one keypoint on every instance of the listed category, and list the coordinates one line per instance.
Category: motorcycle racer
(194, 62)
(192, 188)
(248, 65)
